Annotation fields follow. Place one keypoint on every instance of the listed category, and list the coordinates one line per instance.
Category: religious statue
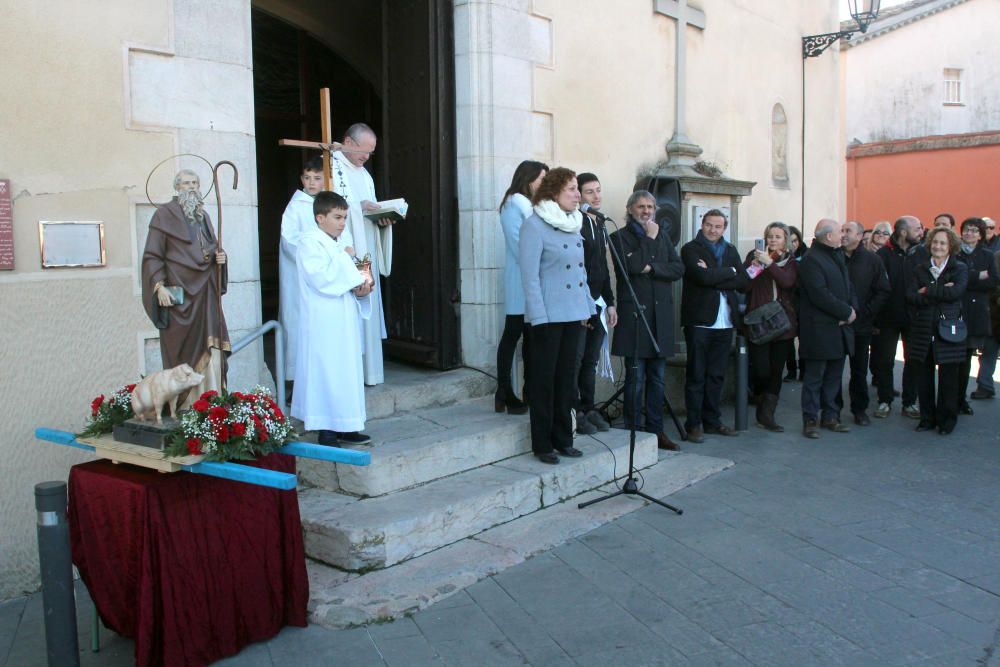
(184, 275)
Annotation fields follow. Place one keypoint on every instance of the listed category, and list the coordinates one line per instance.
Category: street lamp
(862, 11)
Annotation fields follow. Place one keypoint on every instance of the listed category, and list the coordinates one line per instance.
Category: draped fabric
(193, 568)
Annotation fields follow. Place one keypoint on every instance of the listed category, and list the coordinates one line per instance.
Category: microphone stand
(631, 486)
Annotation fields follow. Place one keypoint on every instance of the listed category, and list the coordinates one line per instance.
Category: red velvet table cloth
(192, 567)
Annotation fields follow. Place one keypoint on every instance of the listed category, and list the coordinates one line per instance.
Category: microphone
(586, 208)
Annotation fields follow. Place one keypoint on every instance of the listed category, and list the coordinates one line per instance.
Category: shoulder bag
(768, 321)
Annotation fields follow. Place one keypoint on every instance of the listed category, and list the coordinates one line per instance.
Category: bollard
(56, 563)
(742, 380)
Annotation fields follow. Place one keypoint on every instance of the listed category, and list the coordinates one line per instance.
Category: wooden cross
(327, 145)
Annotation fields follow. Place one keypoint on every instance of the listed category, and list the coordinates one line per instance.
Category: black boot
(765, 413)
(505, 400)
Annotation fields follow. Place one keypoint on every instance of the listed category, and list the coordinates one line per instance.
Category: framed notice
(71, 244)
(6, 227)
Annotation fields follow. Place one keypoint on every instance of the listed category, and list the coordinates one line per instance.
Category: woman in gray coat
(557, 305)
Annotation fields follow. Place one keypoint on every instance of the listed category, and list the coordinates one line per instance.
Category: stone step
(364, 534)
(342, 599)
(407, 389)
(416, 448)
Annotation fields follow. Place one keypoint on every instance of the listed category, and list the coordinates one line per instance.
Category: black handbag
(952, 330)
(767, 322)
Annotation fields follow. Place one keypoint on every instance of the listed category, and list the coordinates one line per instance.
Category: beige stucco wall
(92, 99)
(612, 98)
(895, 80)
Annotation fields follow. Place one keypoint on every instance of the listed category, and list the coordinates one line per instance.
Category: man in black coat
(871, 288)
(898, 256)
(713, 273)
(826, 312)
(652, 265)
(595, 261)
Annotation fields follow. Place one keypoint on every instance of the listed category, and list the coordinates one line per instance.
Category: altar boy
(333, 299)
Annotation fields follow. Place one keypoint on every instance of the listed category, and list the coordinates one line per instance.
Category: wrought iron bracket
(813, 45)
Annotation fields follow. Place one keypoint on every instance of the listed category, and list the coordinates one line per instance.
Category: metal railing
(279, 354)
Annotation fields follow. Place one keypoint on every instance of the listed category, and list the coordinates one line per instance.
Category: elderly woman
(983, 279)
(557, 305)
(515, 207)
(774, 272)
(934, 295)
(880, 235)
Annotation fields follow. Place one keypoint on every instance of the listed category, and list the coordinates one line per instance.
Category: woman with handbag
(515, 207)
(770, 323)
(934, 295)
(983, 279)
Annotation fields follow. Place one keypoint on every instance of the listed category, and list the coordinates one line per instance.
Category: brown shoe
(811, 429)
(663, 442)
(721, 429)
(695, 434)
(835, 426)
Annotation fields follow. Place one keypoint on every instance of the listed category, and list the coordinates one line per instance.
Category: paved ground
(879, 547)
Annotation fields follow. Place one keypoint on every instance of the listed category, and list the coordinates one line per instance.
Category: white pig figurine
(162, 388)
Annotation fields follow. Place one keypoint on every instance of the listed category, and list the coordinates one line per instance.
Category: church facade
(460, 91)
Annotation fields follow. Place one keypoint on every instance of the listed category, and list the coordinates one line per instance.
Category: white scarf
(551, 213)
(936, 270)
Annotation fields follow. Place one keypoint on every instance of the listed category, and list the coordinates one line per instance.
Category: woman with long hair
(774, 272)
(515, 207)
(557, 305)
(934, 294)
(798, 249)
(983, 279)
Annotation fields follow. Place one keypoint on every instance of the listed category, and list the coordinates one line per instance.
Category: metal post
(56, 564)
(742, 379)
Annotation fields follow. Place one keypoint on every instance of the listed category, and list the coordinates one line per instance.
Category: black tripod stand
(631, 486)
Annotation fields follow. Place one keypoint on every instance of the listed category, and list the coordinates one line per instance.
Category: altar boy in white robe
(297, 219)
(334, 299)
(355, 184)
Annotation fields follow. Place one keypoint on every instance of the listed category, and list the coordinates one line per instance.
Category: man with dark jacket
(653, 266)
(871, 289)
(713, 273)
(897, 255)
(826, 312)
(595, 260)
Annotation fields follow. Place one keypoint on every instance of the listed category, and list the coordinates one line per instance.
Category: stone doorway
(390, 65)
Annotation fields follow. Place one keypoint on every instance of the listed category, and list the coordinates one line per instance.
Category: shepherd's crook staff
(218, 267)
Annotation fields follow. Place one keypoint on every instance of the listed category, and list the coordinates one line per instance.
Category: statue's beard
(191, 204)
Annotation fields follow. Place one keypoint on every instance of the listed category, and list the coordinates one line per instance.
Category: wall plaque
(6, 228)
(71, 244)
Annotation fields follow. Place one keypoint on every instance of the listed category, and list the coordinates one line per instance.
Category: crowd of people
(807, 312)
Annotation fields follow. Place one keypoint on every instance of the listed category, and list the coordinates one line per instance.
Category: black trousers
(820, 389)
(964, 371)
(587, 356)
(552, 391)
(767, 364)
(942, 410)
(707, 357)
(794, 365)
(858, 385)
(888, 336)
(513, 328)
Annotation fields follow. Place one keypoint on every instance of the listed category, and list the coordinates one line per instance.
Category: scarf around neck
(553, 215)
(936, 271)
(718, 248)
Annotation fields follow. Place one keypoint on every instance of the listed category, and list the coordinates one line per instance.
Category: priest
(353, 182)
(181, 286)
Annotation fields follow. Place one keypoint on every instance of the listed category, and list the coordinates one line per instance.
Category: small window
(952, 85)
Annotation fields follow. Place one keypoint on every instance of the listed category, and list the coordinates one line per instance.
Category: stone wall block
(217, 30)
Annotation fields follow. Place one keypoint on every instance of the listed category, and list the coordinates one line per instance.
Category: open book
(394, 209)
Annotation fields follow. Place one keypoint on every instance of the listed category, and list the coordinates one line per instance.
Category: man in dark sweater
(871, 288)
(713, 273)
(826, 313)
(595, 260)
(892, 323)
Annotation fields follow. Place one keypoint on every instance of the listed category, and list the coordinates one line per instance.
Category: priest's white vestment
(297, 219)
(329, 390)
(355, 185)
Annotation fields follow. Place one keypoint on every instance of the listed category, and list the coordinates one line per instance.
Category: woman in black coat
(798, 250)
(983, 279)
(934, 294)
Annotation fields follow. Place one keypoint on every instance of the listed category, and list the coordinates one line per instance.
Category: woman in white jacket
(515, 207)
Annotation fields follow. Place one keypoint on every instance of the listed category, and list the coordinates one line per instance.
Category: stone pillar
(497, 44)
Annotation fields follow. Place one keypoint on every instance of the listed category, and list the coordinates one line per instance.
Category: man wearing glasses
(988, 359)
(992, 239)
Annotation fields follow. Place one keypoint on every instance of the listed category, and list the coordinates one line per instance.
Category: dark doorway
(412, 111)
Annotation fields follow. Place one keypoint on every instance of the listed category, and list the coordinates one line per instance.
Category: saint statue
(184, 273)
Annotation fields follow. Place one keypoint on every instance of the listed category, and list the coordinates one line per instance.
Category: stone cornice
(932, 143)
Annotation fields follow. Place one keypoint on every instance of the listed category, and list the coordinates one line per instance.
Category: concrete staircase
(447, 476)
